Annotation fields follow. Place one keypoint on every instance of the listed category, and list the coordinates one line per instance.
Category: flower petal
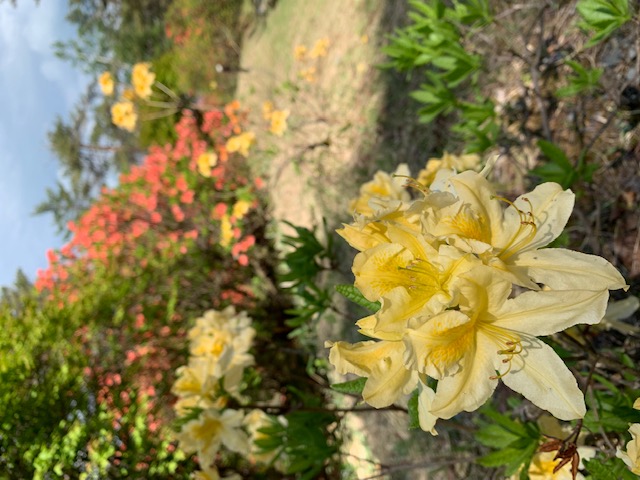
(361, 357)
(469, 388)
(544, 313)
(543, 378)
(427, 420)
(380, 269)
(548, 205)
(567, 270)
(389, 380)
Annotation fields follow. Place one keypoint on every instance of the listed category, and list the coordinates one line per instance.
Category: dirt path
(312, 168)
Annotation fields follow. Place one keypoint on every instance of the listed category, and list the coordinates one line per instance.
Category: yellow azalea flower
(383, 187)
(320, 48)
(308, 74)
(254, 421)
(408, 281)
(205, 162)
(123, 115)
(279, 122)
(226, 231)
(543, 465)
(631, 456)
(381, 363)
(129, 94)
(491, 338)
(142, 79)
(106, 83)
(198, 386)
(224, 336)
(458, 163)
(267, 109)
(299, 52)
(240, 209)
(368, 231)
(211, 430)
(241, 143)
(470, 216)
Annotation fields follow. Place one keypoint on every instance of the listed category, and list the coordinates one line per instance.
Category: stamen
(511, 342)
(525, 233)
(413, 183)
(423, 275)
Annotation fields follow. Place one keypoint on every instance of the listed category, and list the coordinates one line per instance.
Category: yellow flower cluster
(123, 112)
(123, 115)
(142, 80)
(277, 118)
(457, 163)
(443, 267)
(205, 162)
(106, 83)
(241, 143)
(219, 347)
(302, 54)
(219, 354)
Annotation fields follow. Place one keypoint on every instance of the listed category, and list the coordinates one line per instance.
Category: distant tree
(90, 150)
(111, 35)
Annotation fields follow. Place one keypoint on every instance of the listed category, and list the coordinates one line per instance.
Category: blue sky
(35, 86)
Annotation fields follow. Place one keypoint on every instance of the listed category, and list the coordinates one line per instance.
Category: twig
(535, 78)
(600, 131)
(430, 464)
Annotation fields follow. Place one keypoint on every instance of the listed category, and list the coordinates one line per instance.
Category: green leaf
(412, 406)
(555, 154)
(610, 469)
(495, 436)
(352, 293)
(353, 387)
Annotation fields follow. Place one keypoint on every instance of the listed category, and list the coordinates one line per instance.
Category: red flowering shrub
(164, 245)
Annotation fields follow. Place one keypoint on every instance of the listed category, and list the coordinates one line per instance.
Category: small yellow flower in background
(267, 109)
(142, 79)
(543, 465)
(241, 143)
(299, 52)
(361, 67)
(106, 83)
(320, 48)
(226, 231)
(213, 85)
(206, 161)
(308, 74)
(457, 163)
(211, 430)
(279, 122)
(240, 209)
(254, 421)
(364, 39)
(123, 115)
(618, 311)
(631, 456)
(129, 94)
